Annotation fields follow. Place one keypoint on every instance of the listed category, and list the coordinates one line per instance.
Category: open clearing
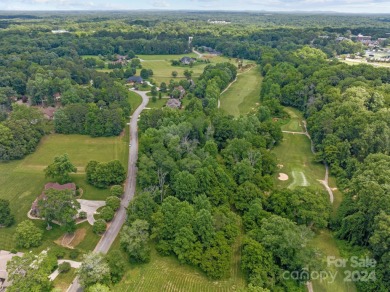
(23, 180)
(295, 158)
(162, 67)
(244, 94)
(326, 244)
(167, 274)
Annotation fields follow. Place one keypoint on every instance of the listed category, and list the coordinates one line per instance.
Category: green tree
(113, 202)
(144, 73)
(258, 263)
(99, 226)
(107, 213)
(94, 269)
(116, 191)
(307, 206)
(31, 272)
(135, 241)
(102, 175)
(60, 168)
(117, 265)
(6, 218)
(28, 235)
(185, 185)
(60, 206)
(188, 74)
(290, 254)
(174, 74)
(163, 87)
(98, 288)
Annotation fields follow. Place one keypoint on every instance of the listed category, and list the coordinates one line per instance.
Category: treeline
(347, 110)
(214, 79)
(21, 133)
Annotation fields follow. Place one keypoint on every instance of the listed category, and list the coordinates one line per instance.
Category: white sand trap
(282, 176)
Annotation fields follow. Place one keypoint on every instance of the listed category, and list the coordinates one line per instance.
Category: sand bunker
(282, 176)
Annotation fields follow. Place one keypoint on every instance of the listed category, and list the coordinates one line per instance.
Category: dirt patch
(72, 240)
(282, 176)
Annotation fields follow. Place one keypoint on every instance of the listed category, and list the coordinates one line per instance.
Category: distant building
(340, 39)
(181, 90)
(48, 112)
(135, 80)
(187, 60)
(209, 50)
(174, 103)
(59, 31)
(35, 208)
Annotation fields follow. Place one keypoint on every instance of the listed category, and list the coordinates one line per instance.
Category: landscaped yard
(243, 96)
(22, 181)
(162, 67)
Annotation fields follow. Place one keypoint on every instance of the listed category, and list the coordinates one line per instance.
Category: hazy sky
(366, 6)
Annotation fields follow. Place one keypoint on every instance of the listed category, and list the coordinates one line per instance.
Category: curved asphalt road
(112, 232)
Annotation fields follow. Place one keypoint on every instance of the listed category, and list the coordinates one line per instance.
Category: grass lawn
(158, 104)
(162, 68)
(295, 158)
(63, 280)
(326, 244)
(244, 95)
(135, 100)
(23, 180)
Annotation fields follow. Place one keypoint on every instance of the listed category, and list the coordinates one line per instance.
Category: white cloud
(160, 4)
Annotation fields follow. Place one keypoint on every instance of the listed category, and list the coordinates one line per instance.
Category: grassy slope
(167, 274)
(295, 155)
(242, 96)
(135, 100)
(22, 181)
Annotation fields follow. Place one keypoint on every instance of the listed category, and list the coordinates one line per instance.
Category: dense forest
(205, 178)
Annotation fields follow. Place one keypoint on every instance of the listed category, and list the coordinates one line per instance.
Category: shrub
(99, 226)
(58, 253)
(82, 215)
(116, 191)
(64, 267)
(74, 253)
(113, 202)
(107, 213)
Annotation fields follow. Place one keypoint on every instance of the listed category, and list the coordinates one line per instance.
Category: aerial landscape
(195, 145)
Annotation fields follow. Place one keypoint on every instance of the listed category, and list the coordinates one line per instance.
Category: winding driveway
(113, 230)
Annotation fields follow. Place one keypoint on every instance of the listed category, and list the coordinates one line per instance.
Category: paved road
(112, 232)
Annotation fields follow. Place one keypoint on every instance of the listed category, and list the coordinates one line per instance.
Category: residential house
(187, 60)
(174, 103)
(135, 80)
(181, 90)
(48, 112)
(35, 208)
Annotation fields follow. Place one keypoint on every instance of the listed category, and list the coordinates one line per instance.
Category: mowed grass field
(295, 158)
(162, 67)
(326, 244)
(243, 95)
(22, 181)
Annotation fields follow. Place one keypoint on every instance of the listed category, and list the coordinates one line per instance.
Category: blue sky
(365, 6)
